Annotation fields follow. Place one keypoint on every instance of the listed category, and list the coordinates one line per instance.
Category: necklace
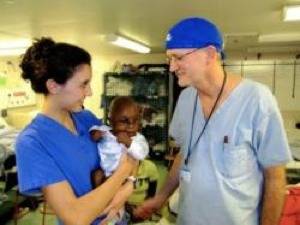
(190, 147)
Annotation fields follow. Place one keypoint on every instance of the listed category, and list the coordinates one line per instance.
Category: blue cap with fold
(195, 32)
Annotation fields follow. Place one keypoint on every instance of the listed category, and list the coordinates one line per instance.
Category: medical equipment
(17, 97)
(8, 137)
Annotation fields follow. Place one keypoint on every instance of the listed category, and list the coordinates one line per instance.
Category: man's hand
(149, 207)
(154, 204)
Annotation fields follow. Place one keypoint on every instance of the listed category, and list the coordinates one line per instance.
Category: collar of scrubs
(48, 121)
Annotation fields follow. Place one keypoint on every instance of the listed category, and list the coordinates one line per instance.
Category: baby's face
(127, 120)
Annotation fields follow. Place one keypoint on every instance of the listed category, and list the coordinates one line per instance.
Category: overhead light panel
(291, 13)
(14, 47)
(126, 43)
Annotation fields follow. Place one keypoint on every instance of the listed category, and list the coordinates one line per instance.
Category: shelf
(151, 90)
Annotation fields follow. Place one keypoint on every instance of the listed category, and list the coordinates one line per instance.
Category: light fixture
(291, 13)
(126, 43)
(14, 47)
(279, 37)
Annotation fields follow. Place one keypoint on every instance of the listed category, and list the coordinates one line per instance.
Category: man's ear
(212, 54)
(52, 86)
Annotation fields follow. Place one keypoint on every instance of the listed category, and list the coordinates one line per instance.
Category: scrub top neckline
(45, 118)
(232, 95)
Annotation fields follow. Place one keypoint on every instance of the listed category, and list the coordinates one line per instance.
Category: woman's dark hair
(46, 59)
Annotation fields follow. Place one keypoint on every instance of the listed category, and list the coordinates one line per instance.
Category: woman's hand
(111, 215)
(121, 197)
(112, 211)
(127, 165)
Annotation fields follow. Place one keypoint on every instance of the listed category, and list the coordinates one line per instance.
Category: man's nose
(173, 65)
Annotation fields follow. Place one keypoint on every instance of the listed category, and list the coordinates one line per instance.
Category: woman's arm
(147, 208)
(83, 210)
(118, 202)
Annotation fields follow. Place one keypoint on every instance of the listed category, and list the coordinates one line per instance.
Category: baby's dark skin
(125, 124)
(96, 135)
(123, 138)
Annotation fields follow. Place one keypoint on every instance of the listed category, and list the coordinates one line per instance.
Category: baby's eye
(124, 121)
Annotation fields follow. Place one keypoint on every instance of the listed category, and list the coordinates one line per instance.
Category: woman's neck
(51, 109)
(58, 114)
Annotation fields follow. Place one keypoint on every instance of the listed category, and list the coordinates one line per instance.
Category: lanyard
(190, 147)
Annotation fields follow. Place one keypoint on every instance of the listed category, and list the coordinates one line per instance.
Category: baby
(123, 136)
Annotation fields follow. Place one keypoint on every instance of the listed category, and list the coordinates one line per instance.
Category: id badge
(185, 175)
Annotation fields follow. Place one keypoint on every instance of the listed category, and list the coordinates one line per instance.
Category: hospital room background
(118, 71)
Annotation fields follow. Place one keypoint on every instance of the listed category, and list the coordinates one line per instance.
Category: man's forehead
(177, 51)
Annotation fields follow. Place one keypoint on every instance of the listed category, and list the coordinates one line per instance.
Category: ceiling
(84, 22)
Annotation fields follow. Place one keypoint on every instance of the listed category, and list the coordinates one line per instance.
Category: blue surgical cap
(195, 32)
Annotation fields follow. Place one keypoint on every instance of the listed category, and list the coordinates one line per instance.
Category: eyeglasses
(178, 58)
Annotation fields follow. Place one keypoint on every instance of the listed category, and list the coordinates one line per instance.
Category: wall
(282, 76)
(20, 116)
(105, 63)
(239, 55)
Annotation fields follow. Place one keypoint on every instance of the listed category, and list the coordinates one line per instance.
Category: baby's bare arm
(96, 135)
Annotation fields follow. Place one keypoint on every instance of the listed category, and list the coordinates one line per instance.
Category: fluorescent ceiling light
(15, 47)
(126, 43)
(291, 13)
(281, 37)
(12, 51)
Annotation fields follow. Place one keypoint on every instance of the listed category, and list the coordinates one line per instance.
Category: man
(231, 168)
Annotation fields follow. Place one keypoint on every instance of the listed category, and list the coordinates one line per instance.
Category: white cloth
(110, 150)
(139, 147)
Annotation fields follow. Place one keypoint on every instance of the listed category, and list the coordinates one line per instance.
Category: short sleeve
(36, 168)
(176, 126)
(271, 140)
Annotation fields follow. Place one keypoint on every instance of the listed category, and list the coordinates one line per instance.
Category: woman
(55, 154)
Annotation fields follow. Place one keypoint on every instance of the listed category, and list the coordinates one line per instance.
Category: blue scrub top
(48, 153)
(225, 184)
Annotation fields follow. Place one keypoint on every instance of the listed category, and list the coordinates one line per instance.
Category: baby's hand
(96, 135)
(124, 138)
